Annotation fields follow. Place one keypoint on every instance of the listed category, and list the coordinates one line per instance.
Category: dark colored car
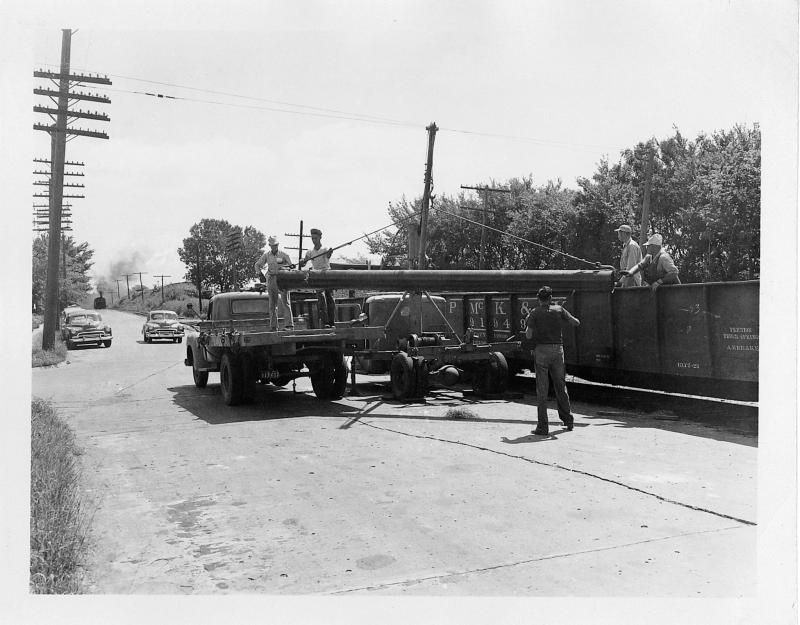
(85, 327)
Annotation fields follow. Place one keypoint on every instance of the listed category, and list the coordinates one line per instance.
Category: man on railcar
(543, 326)
(657, 266)
(276, 260)
(630, 257)
(320, 261)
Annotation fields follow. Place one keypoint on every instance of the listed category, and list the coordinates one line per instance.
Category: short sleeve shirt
(274, 262)
(545, 323)
(319, 258)
(656, 267)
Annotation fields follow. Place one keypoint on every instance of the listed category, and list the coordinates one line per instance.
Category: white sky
(571, 80)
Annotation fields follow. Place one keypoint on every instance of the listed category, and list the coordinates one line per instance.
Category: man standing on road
(276, 260)
(657, 266)
(320, 261)
(190, 313)
(543, 327)
(631, 255)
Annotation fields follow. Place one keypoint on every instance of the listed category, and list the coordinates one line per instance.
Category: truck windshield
(249, 307)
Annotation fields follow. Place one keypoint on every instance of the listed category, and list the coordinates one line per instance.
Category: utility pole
(128, 284)
(119, 297)
(141, 286)
(199, 280)
(162, 287)
(486, 190)
(291, 234)
(426, 197)
(62, 116)
(648, 180)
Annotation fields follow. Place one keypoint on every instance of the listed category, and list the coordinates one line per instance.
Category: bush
(58, 521)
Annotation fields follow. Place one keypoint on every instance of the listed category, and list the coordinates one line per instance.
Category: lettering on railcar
(740, 339)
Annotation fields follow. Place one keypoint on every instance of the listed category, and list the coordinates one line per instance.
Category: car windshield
(163, 316)
(84, 318)
(249, 306)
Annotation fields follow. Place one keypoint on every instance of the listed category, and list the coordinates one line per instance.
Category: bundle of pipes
(503, 280)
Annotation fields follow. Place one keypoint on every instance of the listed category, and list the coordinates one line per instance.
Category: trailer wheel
(402, 376)
(491, 376)
(231, 380)
(421, 369)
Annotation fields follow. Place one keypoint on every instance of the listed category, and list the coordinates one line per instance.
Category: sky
(316, 111)
(288, 117)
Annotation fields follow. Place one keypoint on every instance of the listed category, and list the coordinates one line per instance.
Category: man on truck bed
(657, 266)
(543, 326)
(276, 260)
(629, 258)
(320, 261)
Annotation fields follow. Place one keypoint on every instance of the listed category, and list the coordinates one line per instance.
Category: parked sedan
(85, 327)
(162, 324)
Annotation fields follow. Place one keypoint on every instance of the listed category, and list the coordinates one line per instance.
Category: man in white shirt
(320, 261)
(631, 256)
(276, 260)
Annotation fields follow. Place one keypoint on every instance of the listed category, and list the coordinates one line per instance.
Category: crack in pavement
(563, 468)
(125, 388)
(553, 556)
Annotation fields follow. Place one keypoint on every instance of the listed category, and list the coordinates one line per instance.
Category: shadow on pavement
(720, 420)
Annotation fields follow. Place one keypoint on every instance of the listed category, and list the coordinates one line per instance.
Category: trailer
(421, 348)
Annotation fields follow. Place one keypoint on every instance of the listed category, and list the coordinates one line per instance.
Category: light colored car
(162, 324)
(85, 327)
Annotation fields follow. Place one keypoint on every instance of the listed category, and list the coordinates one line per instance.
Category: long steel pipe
(448, 280)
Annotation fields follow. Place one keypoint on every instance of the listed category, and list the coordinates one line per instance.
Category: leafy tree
(73, 278)
(219, 268)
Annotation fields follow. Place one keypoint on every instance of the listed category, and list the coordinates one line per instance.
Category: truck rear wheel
(329, 377)
(231, 380)
(402, 376)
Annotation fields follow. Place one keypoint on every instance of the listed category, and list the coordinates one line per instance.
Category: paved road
(290, 495)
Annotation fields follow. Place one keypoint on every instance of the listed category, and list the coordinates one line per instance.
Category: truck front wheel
(231, 380)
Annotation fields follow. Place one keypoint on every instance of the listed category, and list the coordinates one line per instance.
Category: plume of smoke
(133, 261)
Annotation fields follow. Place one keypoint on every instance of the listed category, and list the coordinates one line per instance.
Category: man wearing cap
(276, 260)
(320, 261)
(657, 266)
(190, 312)
(630, 257)
(543, 326)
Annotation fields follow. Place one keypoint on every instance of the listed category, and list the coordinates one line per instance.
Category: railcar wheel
(491, 376)
(231, 380)
(402, 376)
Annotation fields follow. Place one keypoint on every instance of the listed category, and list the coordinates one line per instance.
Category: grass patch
(58, 522)
(41, 358)
(460, 413)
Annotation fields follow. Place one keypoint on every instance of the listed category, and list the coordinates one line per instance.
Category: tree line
(73, 274)
(705, 200)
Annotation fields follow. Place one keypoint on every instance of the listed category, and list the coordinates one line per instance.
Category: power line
(318, 111)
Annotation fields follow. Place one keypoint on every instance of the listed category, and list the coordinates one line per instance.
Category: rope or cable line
(514, 236)
(334, 113)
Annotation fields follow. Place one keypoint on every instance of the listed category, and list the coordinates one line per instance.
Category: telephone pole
(162, 286)
(486, 190)
(141, 286)
(119, 297)
(62, 116)
(426, 197)
(127, 283)
(291, 234)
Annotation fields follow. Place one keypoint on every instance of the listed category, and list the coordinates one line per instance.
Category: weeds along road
(362, 496)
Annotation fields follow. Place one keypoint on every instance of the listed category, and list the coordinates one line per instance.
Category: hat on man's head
(655, 240)
(316, 231)
(624, 228)
(545, 293)
(273, 240)
(189, 305)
